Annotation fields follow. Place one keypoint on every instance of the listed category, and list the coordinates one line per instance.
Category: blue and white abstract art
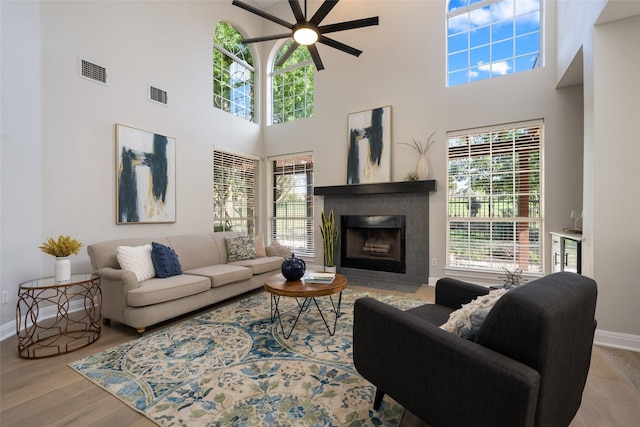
(145, 171)
(369, 146)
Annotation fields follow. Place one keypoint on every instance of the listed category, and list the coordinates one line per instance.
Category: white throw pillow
(136, 259)
(461, 319)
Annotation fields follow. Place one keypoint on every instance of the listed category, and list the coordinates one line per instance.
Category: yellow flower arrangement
(63, 247)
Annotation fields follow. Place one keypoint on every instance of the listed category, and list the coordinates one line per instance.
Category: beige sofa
(207, 278)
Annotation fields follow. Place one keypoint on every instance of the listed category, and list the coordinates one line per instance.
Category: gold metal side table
(77, 304)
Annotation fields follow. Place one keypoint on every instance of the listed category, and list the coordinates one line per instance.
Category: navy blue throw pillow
(165, 260)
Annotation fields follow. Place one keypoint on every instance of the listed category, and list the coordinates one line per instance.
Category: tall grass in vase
(329, 233)
(61, 249)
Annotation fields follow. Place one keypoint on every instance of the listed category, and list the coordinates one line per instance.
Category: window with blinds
(292, 223)
(235, 192)
(494, 198)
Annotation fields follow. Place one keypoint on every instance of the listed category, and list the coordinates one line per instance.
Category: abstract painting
(145, 175)
(369, 146)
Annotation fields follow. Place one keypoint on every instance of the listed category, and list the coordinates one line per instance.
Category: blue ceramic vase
(293, 268)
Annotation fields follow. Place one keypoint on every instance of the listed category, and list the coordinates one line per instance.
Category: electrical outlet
(434, 261)
(5, 297)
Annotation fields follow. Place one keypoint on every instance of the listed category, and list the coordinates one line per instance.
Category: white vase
(422, 169)
(329, 269)
(63, 269)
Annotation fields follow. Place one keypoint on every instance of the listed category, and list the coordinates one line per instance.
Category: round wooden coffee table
(278, 287)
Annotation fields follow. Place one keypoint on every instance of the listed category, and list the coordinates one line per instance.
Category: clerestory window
(490, 38)
(233, 73)
(292, 85)
(494, 198)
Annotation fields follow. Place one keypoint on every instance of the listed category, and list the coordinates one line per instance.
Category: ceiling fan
(308, 31)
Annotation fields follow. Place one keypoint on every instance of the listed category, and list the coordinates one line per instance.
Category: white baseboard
(617, 340)
(9, 329)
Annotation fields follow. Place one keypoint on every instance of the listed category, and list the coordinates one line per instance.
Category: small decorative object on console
(62, 248)
(293, 268)
(512, 278)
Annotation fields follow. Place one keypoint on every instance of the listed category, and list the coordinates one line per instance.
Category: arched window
(292, 86)
(233, 73)
(489, 38)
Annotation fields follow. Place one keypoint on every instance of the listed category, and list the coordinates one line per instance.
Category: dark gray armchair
(527, 366)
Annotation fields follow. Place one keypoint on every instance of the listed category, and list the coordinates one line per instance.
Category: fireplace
(373, 242)
(406, 200)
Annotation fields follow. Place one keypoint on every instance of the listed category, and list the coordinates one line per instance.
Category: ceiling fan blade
(297, 10)
(287, 54)
(322, 11)
(348, 25)
(266, 38)
(262, 13)
(313, 50)
(340, 46)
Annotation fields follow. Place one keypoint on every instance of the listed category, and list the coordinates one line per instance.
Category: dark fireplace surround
(391, 206)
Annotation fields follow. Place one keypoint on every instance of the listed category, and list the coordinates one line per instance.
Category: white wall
(22, 207)
(615, 251)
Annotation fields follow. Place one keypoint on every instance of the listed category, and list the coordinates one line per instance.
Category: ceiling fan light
(305, 35)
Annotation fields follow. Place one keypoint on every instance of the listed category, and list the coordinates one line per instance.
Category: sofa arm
(442, 378)
(126, 278)
(453, 293)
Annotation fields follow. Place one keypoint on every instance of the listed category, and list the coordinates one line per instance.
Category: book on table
(314, 277)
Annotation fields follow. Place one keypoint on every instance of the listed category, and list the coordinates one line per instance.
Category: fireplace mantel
(381, 188)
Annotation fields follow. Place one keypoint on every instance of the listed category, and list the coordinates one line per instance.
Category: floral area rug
(233, 367)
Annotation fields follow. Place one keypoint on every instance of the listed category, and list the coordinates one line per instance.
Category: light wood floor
(47, 392)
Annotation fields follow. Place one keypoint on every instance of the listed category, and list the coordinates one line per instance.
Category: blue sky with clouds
(488, 38)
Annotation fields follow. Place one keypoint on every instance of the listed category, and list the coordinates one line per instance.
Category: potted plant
(329, 233)
(62, 249)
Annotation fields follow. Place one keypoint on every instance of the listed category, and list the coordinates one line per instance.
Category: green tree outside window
(292, 85)
(233, 73)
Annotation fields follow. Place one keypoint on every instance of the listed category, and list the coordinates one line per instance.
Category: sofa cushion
(138, 260)
(240, 248)
(466, 321)
(196, 250)
(223, 274)
(154, 291)
(260, 249)
(261, 265)
(165, 260)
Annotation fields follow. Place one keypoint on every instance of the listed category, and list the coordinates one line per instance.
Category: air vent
(158, 95)
(93, 72)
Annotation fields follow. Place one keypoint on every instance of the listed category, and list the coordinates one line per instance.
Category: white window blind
(235, 192)
(292, 223)
(494, 198)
